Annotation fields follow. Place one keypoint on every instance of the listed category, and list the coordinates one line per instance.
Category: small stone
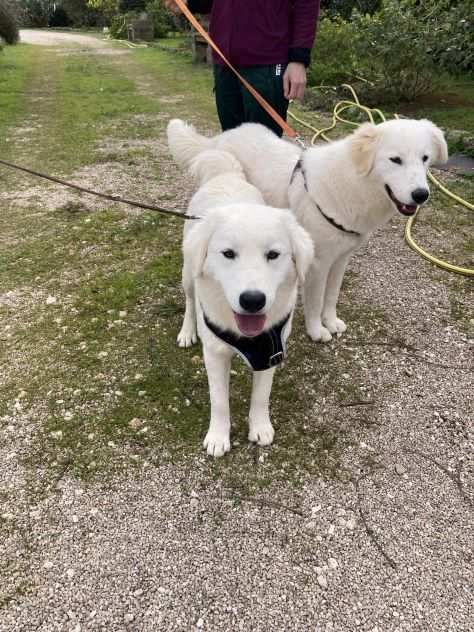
(102, 354)
(75, 518)
(200, 622)
(194, 494)
(138, 592)
(351, 523)
(196, 359)
(128, 618)
(48, 565)
(70, 573)
(322, 581)
(310, 526)
(332, 563)
(51, 300)
(194, 502)
(400, 469)
(162, 590)
(314, 510)
(135, 423)
(141, 393)
(122, 313)
(7, 517)
(331, 529)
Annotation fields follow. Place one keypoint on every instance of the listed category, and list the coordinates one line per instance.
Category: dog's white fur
(346, 178)
(235, 218)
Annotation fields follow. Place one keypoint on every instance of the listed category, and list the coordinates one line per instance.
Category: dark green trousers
(235, 104)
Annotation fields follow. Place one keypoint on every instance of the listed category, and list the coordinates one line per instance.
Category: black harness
(259, 353)
(299, 167)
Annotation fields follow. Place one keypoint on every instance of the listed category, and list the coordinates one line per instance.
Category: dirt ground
(111, 516)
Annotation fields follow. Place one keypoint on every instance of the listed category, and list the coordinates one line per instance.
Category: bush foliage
(8, 24)
(400, 48)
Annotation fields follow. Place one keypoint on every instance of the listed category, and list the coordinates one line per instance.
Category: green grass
(451, 107)
(17, 66)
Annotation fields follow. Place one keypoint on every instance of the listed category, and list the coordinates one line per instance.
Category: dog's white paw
(217, 443)
(261, 432)
(318, 333)
(334, 325)
(187, 337)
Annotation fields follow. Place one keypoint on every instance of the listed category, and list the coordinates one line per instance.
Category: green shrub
(344, 8)
(394, 51)
(36, 13)
(452, 34)
(163, 21)
(333, 57)
(8, 25)
(126, 6)
(59, 17)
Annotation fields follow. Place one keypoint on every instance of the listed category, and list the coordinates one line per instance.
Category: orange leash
(289, 131)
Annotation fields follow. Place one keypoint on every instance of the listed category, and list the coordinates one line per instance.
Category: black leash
(105, 196)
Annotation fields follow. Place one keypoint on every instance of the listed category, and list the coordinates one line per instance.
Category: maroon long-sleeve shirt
(261, 32)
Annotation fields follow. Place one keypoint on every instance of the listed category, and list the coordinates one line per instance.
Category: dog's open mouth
(404, 209)
(250, 324)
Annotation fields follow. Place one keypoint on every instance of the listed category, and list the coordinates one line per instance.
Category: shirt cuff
(300, 55)
(200, 6)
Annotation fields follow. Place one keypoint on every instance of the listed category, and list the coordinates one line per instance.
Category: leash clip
(300, 141)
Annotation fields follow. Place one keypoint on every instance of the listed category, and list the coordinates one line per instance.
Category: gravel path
(384, 546)
(46, 37)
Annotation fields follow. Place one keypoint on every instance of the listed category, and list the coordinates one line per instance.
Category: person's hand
(294, 81)
(173, 7)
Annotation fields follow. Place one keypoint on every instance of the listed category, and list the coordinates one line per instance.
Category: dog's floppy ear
(363, 146)
(196, 242)
(440, 154)
(301, 245)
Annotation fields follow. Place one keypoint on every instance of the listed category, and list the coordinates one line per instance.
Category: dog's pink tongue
(250, 324)
(407, 209)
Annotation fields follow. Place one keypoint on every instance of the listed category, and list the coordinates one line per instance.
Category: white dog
(242, 263)
(340, 192)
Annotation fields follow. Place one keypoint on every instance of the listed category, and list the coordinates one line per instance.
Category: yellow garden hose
(343, 106)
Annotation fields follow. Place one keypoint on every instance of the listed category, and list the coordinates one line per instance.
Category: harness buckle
(300, 141)
(276, 359)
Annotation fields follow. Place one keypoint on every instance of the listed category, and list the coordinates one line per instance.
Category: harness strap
(259, 353)
(299, 167)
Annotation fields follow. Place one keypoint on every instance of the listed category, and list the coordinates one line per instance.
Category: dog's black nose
(252, 301)
(420, 195)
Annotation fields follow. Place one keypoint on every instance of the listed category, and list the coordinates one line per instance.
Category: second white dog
(340, 192)
(242, 263)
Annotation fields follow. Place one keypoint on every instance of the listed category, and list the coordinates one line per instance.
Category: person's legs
(268, 81)
(229, 102)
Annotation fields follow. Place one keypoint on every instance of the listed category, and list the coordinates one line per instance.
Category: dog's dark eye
(229, 254)
(396, 160)
(272, 254)
(425, 158)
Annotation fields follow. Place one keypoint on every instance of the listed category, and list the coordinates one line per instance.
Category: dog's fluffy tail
(185, 143)
(214, 162)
